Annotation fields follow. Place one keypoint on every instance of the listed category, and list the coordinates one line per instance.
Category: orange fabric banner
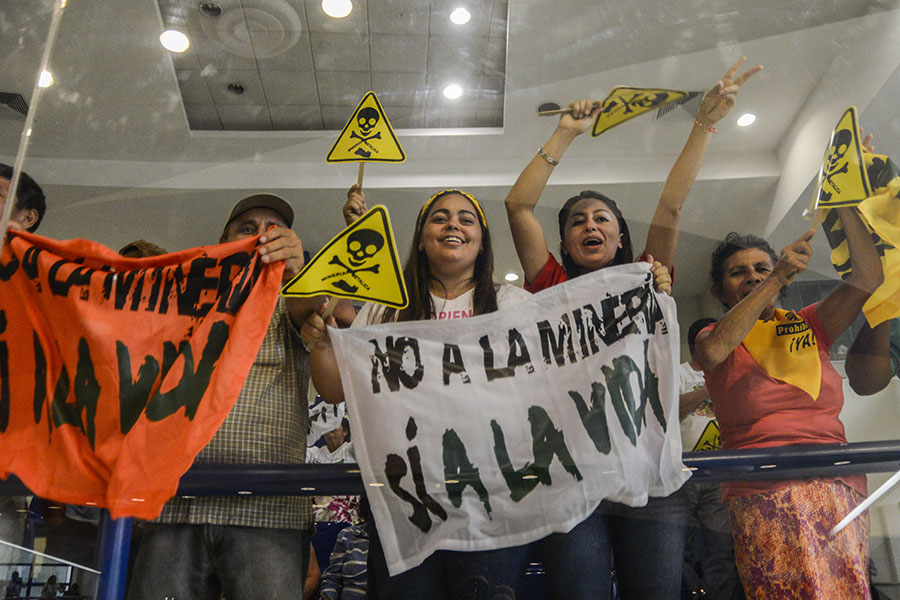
(116, 372)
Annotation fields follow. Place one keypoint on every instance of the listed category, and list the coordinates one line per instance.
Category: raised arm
(718, 101)
(282, 244)
(869, 366)
(528, 236)
(713, 347)
(355, 207)
(840, 308)
(326, 376)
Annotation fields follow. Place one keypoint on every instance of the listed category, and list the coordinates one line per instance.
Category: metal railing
(788, 462)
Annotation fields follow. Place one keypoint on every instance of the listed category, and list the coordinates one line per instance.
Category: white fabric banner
(497, 430)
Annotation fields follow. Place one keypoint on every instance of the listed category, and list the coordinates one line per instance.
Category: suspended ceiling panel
(261, 65)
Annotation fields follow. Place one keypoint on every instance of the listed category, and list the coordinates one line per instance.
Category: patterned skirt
(784, 550)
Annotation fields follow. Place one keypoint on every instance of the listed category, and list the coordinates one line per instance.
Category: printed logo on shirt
(454, 314)
(791, 328)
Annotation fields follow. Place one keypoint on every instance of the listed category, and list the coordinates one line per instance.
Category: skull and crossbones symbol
(362, 246)
(840, 144)
(637, 100)
(367, 118)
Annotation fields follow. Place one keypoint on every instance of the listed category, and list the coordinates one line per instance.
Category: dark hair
(624, 255)
(695, 328)
(29, 195)
(417, 274)
(732, 244)
(345, 423)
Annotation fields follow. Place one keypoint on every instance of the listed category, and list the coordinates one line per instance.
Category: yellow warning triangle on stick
(360, 262)
(367, 136)
(625, 103)
(843, 180)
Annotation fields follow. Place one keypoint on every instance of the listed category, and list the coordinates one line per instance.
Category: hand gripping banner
(116, 372)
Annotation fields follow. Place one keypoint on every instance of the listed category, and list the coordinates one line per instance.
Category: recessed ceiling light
(453, 91)
(235, 88)
(460, 16)
(46, 79)
(337, 9)
(512, 276)
(174, 41)
(746, 119)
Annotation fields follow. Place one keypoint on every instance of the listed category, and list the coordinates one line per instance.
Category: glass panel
(131, 141)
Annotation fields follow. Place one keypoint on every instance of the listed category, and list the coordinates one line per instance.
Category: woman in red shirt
(647, 542)
(772, 384)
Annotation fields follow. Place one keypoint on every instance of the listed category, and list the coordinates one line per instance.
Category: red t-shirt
(553, 273)
(756, 411)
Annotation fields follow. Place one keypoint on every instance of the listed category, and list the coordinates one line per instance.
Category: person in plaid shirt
(245, 546)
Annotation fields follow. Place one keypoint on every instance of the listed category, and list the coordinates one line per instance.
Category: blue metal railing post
(115, 544)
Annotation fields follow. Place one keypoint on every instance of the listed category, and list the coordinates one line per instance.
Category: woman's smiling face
(592, 235)
(451, 234)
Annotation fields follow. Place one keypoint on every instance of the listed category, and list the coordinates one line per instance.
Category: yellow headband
(466, 195)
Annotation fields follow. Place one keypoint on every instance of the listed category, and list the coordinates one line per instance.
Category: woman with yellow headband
(449, 274)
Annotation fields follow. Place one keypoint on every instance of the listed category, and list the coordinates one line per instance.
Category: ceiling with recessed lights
(133, 141)
(262, 65)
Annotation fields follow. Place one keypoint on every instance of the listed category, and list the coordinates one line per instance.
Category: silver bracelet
(547, 157)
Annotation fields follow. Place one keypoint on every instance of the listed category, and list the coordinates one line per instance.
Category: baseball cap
(270, 201)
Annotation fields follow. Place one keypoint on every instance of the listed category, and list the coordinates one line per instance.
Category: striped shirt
(267, 425)
(345, 576)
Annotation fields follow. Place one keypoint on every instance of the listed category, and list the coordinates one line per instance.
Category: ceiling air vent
(13, 102)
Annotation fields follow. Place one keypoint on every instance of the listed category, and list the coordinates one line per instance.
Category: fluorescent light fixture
(337, 9)
(46, 79)
(174, 41)
(746, 119)
(460, 16)
(512, 277)
(453, 91)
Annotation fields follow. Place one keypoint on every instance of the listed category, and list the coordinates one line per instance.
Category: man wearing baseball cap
(245, 546)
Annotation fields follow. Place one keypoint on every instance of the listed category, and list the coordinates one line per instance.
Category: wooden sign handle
(562, 111)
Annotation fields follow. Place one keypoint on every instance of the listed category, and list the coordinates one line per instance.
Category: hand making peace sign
(721, 97)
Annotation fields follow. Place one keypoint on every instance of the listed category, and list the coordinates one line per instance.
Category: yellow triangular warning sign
(709, 440)
(367, 136)
(360, 262)
(625, 103)
(843, 180)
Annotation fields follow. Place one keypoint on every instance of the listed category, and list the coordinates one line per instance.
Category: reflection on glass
(133, 142)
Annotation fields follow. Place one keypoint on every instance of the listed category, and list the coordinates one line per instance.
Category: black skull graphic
(840, 143)
(367, 118)
(362, 245)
